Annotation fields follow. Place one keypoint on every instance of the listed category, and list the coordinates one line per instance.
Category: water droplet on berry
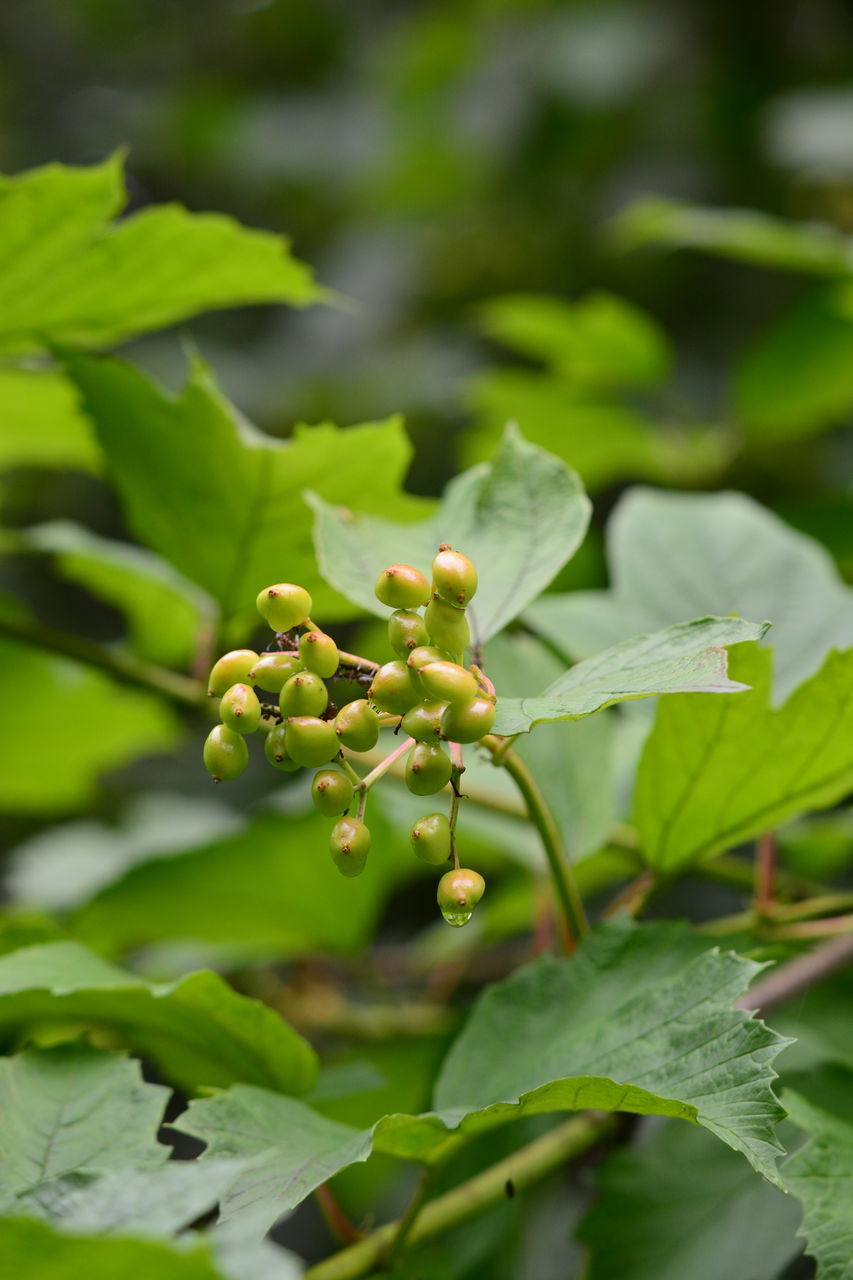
(457, 915)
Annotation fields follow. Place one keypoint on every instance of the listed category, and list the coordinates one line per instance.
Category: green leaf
(798, 379)
(35, 1250)
(197, 1030)
(686, 1206)
(687, 658)
(219, 500)
(820, 1174)
(164, 611)
(42, 425)
(70, 276)
(671, 554)
(519, 519)
(716, 771)
(599, 341)
(639, 1020)
(740, 234)
(40, 690)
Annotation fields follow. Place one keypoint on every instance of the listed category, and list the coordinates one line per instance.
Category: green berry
(392, 689)
(459, 891)
(406, 631)
(420, 658)
(357, 725)
(447, 626)
(319, 653)
(423, 722)
(332, 792)
(448, 682)
(275, 749)
(272, 671)
(232, 668)
(240, 709)
(349, 844)
(428, 769)
(309, 741)
(284, 605)
(402, 587)
(303, 695)
(469, 722)
(454, 577)
(430, 837)
(225, 754)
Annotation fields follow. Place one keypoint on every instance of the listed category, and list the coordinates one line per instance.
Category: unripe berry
(430, 837)
(309, 741)
(406, 630)
(448, 682)
(428, 769)
(284, 605)
(232, 668)
(459, 892)
(319, 653)
(275, 749)
(332, 792)
(225, 754)
(357, 725)
(469, 722)
(454, 577)
(423, 722)
(303, 695)
(402, 587)
(240, 709)
(392, 689)
(349, 844)
(272, 670)
(448, 627)
(420, 658)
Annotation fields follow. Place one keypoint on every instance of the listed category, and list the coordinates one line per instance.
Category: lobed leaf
(820, 1174)
(39, 1252)
(42, 423)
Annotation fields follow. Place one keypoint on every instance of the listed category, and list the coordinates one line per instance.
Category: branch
(798, 976)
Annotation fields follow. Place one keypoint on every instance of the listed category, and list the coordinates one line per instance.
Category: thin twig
(799, 975)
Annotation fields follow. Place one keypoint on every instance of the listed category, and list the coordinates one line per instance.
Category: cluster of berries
(425, 692)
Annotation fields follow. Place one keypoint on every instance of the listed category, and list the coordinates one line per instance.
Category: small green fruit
(303, 695)
(406, 631)
(448, 682)
(430, 837)
(428, 769)
(275, 749)
(232, 668)
(349, 844)
(225, 754)
(272, 671)
(332, 792)
(469, 722)
(309, 741)
(393, 690)
(240, 709)
(423, 656)
(447, 626)
(423, 722)
(459, 892)
(284, 605)
(454, 577)
(357, 725)
(319, 653)
(402, 587)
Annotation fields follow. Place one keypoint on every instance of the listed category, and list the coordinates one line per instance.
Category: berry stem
(354, 777)
(456, 797)
(384, 765)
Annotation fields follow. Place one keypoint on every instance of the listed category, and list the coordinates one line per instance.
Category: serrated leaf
(220, 500)
(686, 658)
(638, 1020)
(741, 234)
(820, 1174)
(686, 1206)
(519, 519)
(39, 689)
(39, 1252)
(715, 772)
(69, 275)
(42, 423)
(671, 554)
(197, 1030)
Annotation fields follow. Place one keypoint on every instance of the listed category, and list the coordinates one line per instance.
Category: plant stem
(456, 797)
(765, 873)
(542, 818)
(384, 765)
(522, 1169)
(123, 666)
(797, 976)
(407, 1222)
